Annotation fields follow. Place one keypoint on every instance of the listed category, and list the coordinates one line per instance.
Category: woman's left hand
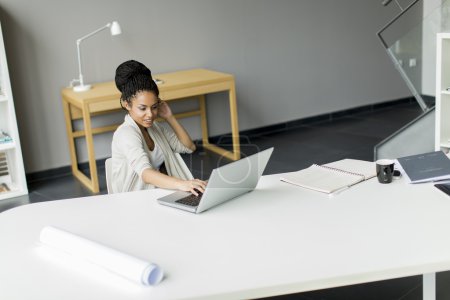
(164, 110)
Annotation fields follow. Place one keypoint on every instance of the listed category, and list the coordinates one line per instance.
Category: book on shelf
(3, 165)
(426, 167)
(4, 137)
(332, 177)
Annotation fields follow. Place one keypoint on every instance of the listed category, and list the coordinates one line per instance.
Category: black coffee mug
(385, 170)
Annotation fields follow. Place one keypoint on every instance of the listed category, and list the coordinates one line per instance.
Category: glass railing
(410, 41)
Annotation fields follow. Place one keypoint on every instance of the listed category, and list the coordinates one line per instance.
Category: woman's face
(143, 108)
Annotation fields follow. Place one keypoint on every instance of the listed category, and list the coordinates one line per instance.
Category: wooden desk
(104, 98)
(278, 239)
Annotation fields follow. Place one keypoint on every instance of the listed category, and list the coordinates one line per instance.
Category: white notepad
(333, 176)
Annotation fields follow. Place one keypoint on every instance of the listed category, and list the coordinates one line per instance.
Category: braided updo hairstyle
(133, 77)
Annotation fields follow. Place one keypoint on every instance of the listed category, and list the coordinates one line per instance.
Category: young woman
(145, 154)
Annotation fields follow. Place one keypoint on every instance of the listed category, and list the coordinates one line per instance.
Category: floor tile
(14, 202)
(442, 285)
(381, 290)
(364, 127)
(398, 116)
(63, 187)
(322, 137)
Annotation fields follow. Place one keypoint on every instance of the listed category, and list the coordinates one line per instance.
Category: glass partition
(410, 41)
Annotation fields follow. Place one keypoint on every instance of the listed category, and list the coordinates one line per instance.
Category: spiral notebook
(332, 177)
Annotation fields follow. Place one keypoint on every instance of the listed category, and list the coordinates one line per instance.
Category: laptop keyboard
(190, 200)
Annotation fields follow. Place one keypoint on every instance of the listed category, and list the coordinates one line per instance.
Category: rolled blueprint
(113, 260)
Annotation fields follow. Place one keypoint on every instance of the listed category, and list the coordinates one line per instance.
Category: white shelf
(15, 177)
(13, 193)
(442, 116)
(445, 144)
(7, 146)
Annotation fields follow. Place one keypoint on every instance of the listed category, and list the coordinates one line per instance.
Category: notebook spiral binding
(342, 171)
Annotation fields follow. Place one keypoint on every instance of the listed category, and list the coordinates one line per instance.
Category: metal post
(429, 286)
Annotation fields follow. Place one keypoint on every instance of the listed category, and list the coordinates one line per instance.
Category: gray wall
(291, 58)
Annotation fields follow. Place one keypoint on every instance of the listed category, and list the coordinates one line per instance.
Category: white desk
(278, 239)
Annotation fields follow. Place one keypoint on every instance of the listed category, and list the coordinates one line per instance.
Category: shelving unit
(12, 172)
(442, 139)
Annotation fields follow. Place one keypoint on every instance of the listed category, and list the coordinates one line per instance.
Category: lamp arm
(93, 32)
(79, 64)
(81, 81)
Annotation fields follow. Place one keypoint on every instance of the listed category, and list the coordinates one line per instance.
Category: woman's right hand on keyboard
(194, 186)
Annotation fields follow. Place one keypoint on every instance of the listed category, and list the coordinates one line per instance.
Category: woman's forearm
(160, 180)
(181, 133)
(164, 181)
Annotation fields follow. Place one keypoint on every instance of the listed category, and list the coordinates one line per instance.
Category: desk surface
(278, 239)
(171, 81)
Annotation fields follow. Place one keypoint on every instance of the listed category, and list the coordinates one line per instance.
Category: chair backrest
(108, 173)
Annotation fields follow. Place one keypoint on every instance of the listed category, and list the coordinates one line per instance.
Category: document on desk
(426, 167)
(332, 177)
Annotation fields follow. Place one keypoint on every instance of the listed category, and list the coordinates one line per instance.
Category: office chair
(108, 170)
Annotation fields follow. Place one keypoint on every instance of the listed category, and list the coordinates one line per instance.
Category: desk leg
(234, 123)
(204, 120)
(429, 286)
(231, 155)
(71, 138)
(90, 147)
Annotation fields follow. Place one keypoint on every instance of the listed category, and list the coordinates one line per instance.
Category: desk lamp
(115, 30)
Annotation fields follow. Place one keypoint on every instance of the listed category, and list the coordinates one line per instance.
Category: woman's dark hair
(133, 77)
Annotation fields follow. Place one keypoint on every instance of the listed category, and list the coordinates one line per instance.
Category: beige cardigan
(130, 155)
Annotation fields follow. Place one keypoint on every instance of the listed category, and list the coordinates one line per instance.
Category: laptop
(225, 183)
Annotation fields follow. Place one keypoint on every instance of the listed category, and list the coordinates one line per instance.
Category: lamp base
(82, 88)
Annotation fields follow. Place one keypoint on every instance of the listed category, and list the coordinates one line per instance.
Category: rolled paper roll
(123, 264)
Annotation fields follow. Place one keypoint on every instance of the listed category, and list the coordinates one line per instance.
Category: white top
(156, 157)
(131, 155)
(277, 239)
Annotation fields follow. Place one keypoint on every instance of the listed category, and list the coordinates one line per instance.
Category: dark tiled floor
(347, 137)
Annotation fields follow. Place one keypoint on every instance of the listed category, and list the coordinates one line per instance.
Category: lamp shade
(115, 28)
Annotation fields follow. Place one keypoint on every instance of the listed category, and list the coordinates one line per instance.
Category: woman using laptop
(145, 154)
